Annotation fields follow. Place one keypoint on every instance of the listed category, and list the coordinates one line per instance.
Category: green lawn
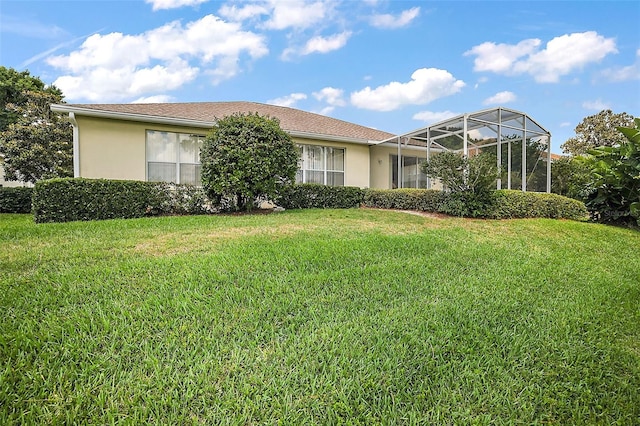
(319, 317)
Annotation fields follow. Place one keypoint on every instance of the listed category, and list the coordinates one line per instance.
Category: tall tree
(14, 86)
(38, 144)
(597, 130)
(34, 142)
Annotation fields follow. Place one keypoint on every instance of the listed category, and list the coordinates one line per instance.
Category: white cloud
(389, 21)
(426, 85)
(500, 98)
(173, 4)
(156, 99)
(326, 44)
(318, 44)
(117, 66)
(248, 11)
(597, 105)
(289, 100)
(499, 58)
(631, 72)
(561, 56)
(299, 14)
(331, 95)
(565, 124)
(430, 117)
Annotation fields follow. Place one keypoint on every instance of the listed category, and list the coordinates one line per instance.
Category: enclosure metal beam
(549, 164)
(499, 150)
(524, 159)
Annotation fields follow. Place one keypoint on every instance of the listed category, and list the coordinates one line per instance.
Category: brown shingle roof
(291, 119)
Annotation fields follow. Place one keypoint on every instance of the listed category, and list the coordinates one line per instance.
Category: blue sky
(391, 65)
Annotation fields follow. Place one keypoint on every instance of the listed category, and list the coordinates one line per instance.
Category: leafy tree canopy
(597, 130)
(247, 157)
(38, 144)
(14, 87)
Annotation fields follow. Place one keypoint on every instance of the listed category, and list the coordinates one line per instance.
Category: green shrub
(502, 204)
(311, 195)
(68, 199)
(15, 200)
(616, 173)
(512, 204)
(64, 200)
(247, 157)
(429, 200)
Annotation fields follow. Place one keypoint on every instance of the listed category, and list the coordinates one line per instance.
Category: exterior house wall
(116, 149)
(380, 163)
(356, 162)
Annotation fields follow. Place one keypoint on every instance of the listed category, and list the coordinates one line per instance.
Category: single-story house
(161, 142)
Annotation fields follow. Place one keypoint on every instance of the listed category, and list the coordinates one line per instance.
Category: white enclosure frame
(492, 121)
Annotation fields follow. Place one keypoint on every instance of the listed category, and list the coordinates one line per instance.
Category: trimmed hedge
(429, 200)
(16, 199)
(512, 204)
(502, 204)
(68, 199)
(310, 195)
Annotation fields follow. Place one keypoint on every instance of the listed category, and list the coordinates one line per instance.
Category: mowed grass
(319, 317)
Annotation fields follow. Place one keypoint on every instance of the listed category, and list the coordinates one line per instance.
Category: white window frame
(178, 163)
(303, 166)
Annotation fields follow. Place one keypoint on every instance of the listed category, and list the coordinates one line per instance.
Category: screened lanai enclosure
(521, 147)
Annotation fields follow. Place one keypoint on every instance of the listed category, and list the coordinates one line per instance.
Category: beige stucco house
(160, 142)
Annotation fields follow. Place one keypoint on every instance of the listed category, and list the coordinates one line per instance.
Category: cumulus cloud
(326, 44)
(430, 117)
(247, 11)
(173, 4)
(117, 66)
(388, 21)
(318, 44)
(597, 105)
(561, 56)
(289, 100)
(630, 72)
(500, 98)
(299, 14)
(331, 95)
(426, 85)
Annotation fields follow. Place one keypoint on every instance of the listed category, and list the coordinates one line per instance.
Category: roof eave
(131, 117)
(192, 123)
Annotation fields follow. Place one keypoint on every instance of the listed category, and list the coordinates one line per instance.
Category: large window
(411, 173)
(321, 164)
(173, 157)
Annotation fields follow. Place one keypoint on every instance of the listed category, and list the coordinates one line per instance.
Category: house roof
(203, 114)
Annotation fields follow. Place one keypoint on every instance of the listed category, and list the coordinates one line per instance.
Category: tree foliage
(14, 89)
(616, 175)
(597, 130)
(247, 157)
(571, 178)
(38, 144)
(471, 180)
(458, 173)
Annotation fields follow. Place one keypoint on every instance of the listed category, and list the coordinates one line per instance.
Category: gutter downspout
(76, 145)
